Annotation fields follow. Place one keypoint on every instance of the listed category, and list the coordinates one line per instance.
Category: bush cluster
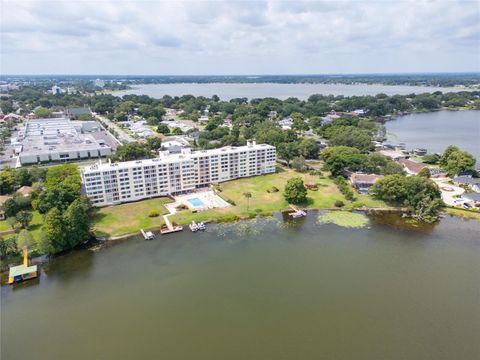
(344, 188)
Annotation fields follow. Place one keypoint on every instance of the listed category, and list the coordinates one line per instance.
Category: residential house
(411, 167)
(25, 191)
(362, 182)
(473, 183)
(473, 199)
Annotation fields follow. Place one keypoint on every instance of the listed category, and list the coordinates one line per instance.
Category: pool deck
(208, 199)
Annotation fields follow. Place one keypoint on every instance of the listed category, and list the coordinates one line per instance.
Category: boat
(202, 226)
(193, 226)
(22, 272)
(298, 214)
(148, 235)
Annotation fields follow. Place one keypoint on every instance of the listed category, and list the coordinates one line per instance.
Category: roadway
(122, 136)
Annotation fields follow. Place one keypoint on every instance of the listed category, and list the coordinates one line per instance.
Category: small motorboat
(298, 214)
(202, 226)
(147, 235)
(194, 227)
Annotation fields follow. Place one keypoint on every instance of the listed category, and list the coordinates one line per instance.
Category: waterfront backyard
(131, 217)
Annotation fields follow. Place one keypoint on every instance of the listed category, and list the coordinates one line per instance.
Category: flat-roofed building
(45, 140)
(173, 174)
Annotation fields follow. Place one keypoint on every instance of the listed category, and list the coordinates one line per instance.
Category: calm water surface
(227, 91)
(436, 130)
(257, 290)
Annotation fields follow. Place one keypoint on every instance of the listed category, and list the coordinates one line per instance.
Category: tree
(419, 194)
(7, 181)
(12, 221)
(299, 164)
(25, 239)
(340, 158)
(57, 197)
(23, 177)
(152, 120)
(43, 112)
(353, 137)
(154, 143)
(308, 148)
(77, 222)
(132, 151)
(295, 191)
(54, 231)
(7, 246)
(431, 159)
(163, 129)
(10, 207)
(454, 160)
(425, 172)
(247, 195)
(287, 151)
(24, 218)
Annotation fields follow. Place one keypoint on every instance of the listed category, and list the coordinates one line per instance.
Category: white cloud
(240, 37)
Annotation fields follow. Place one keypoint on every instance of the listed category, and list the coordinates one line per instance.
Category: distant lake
(436, 130)
(227, 91)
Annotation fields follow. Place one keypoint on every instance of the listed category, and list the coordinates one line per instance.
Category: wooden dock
(168, 227)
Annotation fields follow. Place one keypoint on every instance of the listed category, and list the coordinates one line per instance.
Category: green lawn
(4, 225)
(129, 218)
(266, 203)
(463, 213)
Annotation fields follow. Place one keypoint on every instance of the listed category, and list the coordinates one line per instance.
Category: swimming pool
(196, 202)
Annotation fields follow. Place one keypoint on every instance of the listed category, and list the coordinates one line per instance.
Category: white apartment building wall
(171, 174)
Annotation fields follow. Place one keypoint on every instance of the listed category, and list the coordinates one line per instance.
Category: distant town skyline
(238, 38)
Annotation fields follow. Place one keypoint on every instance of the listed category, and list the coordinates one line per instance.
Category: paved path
(448, 197)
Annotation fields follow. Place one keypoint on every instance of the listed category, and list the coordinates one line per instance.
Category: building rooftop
(365, 178)
(467, 180)
(21, 270)
(41, 136)
(412, 166)
(474, 196)
(167, 157)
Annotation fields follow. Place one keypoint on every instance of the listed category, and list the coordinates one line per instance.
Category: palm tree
(248, 195)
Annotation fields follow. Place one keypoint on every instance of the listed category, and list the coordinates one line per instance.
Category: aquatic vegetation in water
(343, 218)
(245, 228)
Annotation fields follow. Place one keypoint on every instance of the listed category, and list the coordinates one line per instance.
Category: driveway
(122, 135)
(449, 191)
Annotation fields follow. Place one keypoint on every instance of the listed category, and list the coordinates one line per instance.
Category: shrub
(339, 203)
(231, 202)
(153, 213)
(344, 188)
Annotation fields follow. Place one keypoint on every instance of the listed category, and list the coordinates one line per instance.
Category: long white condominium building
(172, 174)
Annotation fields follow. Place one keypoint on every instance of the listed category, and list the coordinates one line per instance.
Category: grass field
(129, 218)
(463, 213)
(266, 203)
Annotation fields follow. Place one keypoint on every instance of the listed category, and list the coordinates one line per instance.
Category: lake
(436, 130)
(260, 289)
(227, 91)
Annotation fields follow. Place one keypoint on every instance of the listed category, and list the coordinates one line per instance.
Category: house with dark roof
(473, 183)
(472, 198)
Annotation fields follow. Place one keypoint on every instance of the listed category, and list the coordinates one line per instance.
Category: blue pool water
(195, 202)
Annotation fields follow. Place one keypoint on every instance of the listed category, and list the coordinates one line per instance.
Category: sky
(238, 37)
